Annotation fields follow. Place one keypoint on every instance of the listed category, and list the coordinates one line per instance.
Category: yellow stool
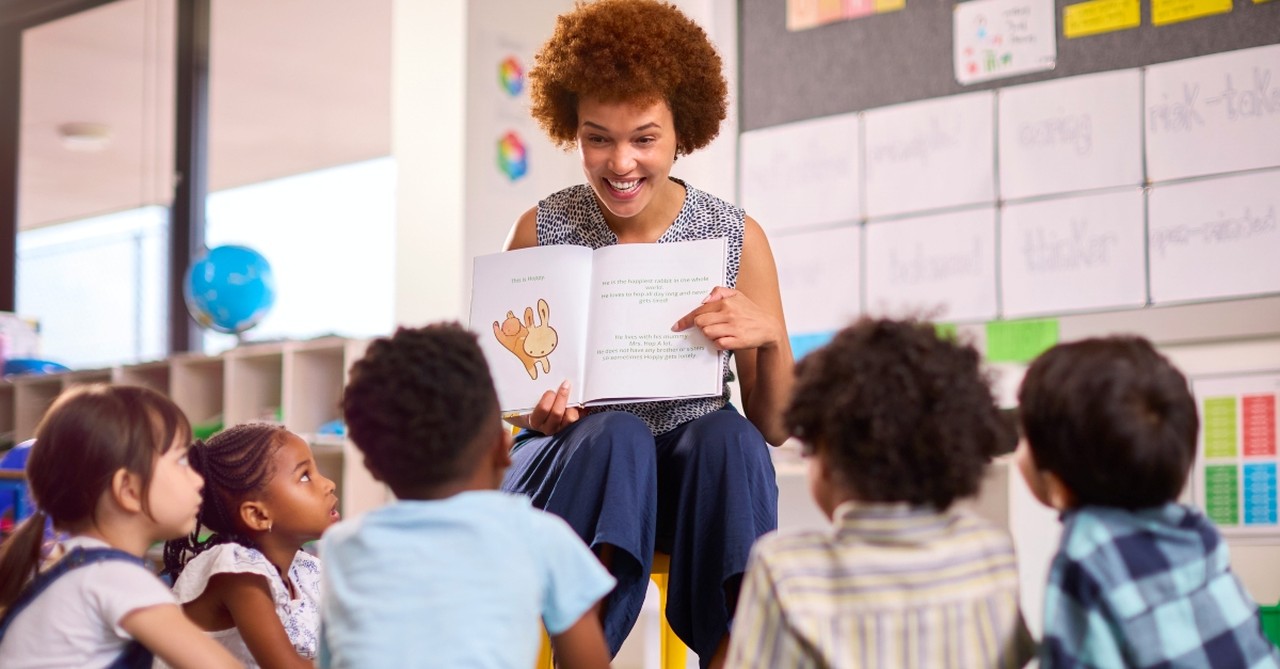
(672, 652)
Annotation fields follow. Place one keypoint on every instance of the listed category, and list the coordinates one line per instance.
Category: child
(454, 573)
(897, 424)
(249, 584)
(1139, 580)
(110, 468)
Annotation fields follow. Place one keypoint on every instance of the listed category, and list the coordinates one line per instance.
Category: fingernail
(564, 386)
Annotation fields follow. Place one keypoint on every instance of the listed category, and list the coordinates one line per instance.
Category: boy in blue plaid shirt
(1139, 580)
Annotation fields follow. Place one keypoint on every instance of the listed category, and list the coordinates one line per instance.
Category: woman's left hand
(732, 321)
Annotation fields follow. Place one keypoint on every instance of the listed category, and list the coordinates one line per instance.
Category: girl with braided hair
(249, 585)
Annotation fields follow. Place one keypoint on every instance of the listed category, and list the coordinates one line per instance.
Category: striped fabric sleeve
(761, 637)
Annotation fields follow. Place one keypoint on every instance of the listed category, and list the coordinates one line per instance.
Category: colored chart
(1235, 478)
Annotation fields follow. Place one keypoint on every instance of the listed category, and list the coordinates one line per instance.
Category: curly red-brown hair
(635, 51)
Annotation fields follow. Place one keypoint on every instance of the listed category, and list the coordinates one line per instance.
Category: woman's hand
(552, 413)
(733, 322)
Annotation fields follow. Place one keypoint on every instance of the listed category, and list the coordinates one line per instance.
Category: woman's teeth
(623, 186)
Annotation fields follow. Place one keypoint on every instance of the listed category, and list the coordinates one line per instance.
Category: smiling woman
(632, 84)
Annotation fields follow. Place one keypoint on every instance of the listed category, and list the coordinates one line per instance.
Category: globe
(229, 289)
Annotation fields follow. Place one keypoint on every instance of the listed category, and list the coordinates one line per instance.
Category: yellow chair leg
(672, 652)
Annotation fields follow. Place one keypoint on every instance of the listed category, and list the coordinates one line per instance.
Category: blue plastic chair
(13, 489)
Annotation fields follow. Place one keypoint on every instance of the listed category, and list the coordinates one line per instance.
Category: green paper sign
(1020, 341)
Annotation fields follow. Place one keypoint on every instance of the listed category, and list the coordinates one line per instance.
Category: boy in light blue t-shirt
(454, 573)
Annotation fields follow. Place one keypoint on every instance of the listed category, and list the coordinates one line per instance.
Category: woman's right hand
(552, 413)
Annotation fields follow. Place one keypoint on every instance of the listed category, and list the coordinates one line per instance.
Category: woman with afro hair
(632, 85)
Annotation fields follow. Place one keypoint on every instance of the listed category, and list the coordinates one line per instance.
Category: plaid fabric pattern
(888, 586)
(1151, 588)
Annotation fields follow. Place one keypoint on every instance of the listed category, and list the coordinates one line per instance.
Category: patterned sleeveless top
(572, 216)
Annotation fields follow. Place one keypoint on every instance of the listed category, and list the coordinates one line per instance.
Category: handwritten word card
(1071, 134)
(941, 266)
(1213, 114)
(1235, 475)
(1215, 238)
(1001, 38)
(1076, 253)
(820, 276)
(802, 173)
(930, 154)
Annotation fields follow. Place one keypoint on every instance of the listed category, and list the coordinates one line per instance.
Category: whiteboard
(820, 276)
(945, 262)
(1072, 254)
(1215, 238)
(931, 154)
(1071, 134)
(1213, 114)
(802, 173)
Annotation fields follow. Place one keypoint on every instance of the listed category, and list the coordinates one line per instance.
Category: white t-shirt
(75, 622)
(300, 617)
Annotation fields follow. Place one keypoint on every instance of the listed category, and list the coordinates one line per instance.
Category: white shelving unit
(297, 382)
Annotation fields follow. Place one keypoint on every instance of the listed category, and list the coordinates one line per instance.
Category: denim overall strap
(135, 654)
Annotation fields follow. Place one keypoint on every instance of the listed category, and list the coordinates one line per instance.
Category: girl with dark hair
(110, 469)
(249, 584)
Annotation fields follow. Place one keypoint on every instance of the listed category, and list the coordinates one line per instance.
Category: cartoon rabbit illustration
(512, 334)
(541, 340)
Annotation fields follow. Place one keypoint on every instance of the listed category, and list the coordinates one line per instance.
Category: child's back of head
(1112, 419)
(898, 413)
(421, 406)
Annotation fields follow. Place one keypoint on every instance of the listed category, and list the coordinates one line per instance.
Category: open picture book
(601, 319)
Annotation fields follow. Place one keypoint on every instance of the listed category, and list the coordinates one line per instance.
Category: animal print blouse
(572, 216)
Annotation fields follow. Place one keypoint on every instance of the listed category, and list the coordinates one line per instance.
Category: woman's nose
(621, 160)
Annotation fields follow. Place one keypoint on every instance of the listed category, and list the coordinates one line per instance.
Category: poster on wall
(802, 173)
(930, 154)
(1213, 114)
(1227, 228)
(941, 267)
(994, 39)
(1234, 479)
(805, 14)
(820, 278)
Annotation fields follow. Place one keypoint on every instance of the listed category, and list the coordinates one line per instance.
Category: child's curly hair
(638, 51)
(899, 413)
(418, 404)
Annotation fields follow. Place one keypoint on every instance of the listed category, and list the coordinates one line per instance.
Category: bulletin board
(1118, 170)
(900, 56)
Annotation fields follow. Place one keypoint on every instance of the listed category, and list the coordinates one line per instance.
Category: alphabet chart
(1236, 458)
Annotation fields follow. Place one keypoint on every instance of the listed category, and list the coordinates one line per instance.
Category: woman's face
(627, 152)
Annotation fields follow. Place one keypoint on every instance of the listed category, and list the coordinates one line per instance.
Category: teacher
(633, 85)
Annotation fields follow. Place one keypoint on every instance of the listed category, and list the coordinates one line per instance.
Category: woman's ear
(255, 516)
(126, 490)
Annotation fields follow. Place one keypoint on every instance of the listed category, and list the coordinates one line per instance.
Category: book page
(529, 309)
(638, 292)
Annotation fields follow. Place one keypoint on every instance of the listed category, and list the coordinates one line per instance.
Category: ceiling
(294, 86)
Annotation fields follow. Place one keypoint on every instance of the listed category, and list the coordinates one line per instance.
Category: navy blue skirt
(702, 493)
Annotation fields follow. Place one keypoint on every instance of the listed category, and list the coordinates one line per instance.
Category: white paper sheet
(1213, 114)
(819, 274)
(1071, 134)
(931, 154)
(945, 261)
(1073, 254)
(1001, 38)
(1216, 238)
(802, 173)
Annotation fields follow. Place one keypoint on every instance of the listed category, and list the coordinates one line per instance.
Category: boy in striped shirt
(897, 424)
(1139, 580)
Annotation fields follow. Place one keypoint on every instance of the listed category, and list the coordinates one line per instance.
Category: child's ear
(502, 452)
(255, 516)
(1059, 495)
(126, 490)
